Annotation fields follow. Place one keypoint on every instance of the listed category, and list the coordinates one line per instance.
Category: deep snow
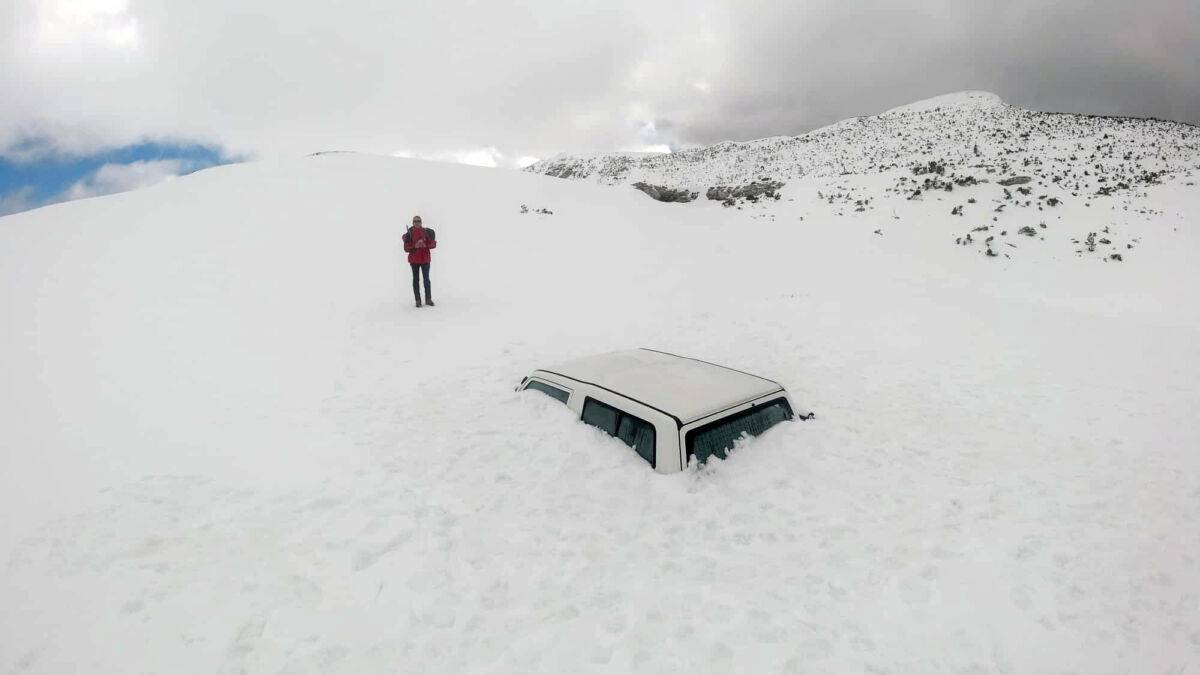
(230, 443)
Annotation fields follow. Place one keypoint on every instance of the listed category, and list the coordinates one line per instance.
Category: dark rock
(663, 193)
(1015, 180)
(719, 194)
(933, 166)
(751, 191)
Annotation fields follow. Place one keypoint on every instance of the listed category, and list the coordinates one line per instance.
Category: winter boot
(429, 301)
(418, 302)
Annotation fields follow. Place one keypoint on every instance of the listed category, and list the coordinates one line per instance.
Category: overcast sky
(500, 82)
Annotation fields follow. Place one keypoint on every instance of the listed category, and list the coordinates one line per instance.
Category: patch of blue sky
(46, 178)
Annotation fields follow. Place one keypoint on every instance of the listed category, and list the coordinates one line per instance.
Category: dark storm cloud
(790, 69)
(504, 81)
(786, 68)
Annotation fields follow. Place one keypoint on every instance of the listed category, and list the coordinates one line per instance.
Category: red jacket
(413, 238)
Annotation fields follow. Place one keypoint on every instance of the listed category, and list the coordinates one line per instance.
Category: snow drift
(230, 443)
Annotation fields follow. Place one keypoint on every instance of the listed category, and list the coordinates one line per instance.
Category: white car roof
(686, 388)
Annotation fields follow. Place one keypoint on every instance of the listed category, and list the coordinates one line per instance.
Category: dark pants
(424, 269)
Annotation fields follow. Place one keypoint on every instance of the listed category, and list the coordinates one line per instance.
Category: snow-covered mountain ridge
(1008, 176)
(969, 133)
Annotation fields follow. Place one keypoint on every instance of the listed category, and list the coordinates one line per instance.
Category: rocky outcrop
(753, 191)
(663, 193)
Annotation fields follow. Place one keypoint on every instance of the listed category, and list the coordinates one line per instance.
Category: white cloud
(482, 157)
(21, 199)
(112, 178)
(71, 28)
(488, 156)
(277, 77)
(273, 77)
(660, 148)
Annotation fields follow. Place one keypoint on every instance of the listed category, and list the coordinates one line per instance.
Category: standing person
(418, 241)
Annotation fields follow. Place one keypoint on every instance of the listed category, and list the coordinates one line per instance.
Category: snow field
(239, 448)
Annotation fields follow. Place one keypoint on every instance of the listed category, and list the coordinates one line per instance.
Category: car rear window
(716, 438)
(551, 391)
(633, 431)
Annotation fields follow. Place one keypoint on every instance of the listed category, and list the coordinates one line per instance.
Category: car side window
(639, 435)
(632, 431)
(549, 390)
(600, 415)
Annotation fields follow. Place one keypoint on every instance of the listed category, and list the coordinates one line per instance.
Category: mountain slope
(233, 445)
(969, 133)
(1005, 172)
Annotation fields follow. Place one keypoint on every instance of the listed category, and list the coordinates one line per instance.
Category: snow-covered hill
(971, 133)
(1034, 161)
(231, 444)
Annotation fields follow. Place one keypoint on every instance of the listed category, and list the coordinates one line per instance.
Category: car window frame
(553, 385)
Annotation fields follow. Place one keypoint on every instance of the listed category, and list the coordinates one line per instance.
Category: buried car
(668, 408)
